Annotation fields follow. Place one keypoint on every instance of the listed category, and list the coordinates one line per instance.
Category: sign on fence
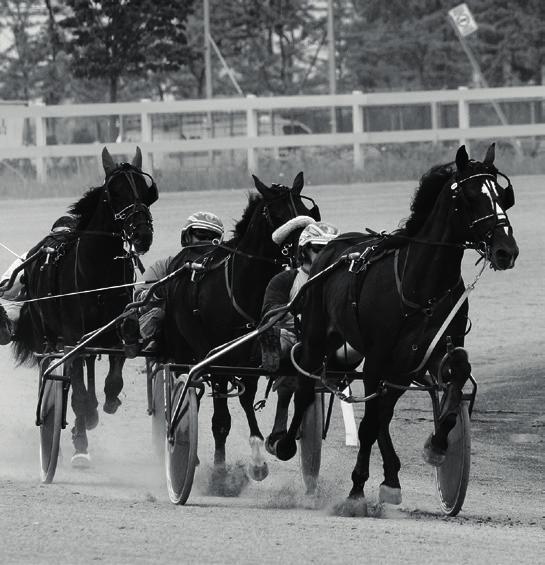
(463, 19)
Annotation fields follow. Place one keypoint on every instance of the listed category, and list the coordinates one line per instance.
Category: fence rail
(357, 103)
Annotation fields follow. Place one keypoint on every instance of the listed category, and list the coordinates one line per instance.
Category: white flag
(463, 19)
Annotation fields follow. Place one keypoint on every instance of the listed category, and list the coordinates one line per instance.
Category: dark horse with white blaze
(226, 301)
(391, 310)
(113, 225)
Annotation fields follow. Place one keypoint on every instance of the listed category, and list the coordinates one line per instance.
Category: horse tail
(25, 340)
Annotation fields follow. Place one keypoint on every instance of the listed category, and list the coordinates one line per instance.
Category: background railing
(250, 125)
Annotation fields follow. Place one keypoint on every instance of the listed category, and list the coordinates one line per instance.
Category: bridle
(127, 214)
(286, 192)
(500, 203)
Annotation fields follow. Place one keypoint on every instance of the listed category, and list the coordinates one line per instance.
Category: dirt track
(118, 511)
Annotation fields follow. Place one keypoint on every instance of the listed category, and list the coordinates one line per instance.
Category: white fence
(355, 104)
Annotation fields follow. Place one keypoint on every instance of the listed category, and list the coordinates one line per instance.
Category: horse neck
(430, 269)
(98, 247)
(256, 241)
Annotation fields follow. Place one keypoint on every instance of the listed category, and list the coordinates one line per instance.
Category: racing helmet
(318, 233)
(64, 223)
(205, 222)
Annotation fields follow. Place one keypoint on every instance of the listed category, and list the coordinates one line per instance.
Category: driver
(201, 229)
(277, 342)
(61, 229)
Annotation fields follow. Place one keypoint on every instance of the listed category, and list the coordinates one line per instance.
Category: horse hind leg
(113, 384)
(390, 488)
(81, 456)
(91, 415)
(367, 434)
(221, 421)
(257, 468)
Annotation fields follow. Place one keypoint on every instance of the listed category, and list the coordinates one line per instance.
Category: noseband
(127, 215)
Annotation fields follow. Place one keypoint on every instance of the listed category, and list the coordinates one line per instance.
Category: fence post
(41, 141)
(251, 132)
(463, 115)
(146, 131)
(357, 128)
(434, 110)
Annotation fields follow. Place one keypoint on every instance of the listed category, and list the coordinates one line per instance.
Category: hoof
(258, 472)
(91, 419)
(351, 508)
(433, 455)
(390, 495)
(286, 448)
(111, 405)
(81, 460)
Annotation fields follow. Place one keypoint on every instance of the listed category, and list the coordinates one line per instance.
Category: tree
(115, 39)
(23, 54)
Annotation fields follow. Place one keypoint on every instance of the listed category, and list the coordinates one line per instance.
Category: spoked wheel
(181, 455)
(452, 476)
(158, 425)
(310, 443)
(50, 428)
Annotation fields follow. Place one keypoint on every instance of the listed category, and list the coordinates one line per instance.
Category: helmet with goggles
(317, 234)
(203, 226)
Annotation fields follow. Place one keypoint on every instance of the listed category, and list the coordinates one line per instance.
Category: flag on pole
(463, 19)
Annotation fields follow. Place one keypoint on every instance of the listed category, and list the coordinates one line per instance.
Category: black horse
(226, 301)
(114, 225)
(390, 306)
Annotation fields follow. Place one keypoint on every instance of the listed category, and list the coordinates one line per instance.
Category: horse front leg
(455, 371)
(286, 446)
(113, 384)
(257, 469)
(390, 488)
(79, 406)
(221, 420)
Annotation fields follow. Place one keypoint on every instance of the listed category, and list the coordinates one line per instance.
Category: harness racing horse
(226, 301)
(110, 219)
(391, 304)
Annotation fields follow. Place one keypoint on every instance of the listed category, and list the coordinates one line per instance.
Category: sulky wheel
(50, 428)
(452, 476)
(181, 454)
(158, 423)
(310, 443)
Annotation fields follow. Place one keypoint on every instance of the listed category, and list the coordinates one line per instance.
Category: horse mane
(425, 197)
(86, 206)
(241, 227)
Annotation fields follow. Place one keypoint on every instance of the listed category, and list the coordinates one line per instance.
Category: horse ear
(262, 188)
(490, 155)
(298, 183)
(107, 161)
(137, 161)
(462, 158)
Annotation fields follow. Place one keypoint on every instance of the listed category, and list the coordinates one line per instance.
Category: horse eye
(148, 180)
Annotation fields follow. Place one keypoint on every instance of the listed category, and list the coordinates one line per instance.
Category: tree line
(79, 51)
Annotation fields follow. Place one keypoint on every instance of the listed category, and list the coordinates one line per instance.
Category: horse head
(481, 203)
(282, 203)
(129, 192)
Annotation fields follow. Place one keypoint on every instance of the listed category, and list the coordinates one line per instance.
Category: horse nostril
(504, 259)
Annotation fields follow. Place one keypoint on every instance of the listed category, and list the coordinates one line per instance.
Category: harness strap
(432, 302)
(229, 288)
(447, 321)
